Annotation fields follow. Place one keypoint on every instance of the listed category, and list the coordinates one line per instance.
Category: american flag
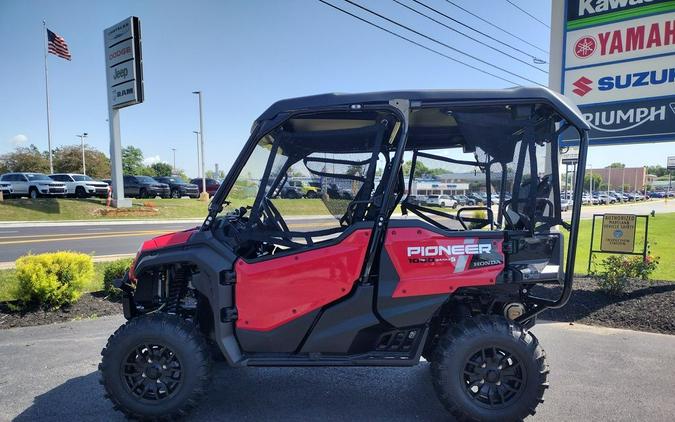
(57, 45)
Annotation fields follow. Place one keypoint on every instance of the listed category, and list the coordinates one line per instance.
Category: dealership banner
(616, 60)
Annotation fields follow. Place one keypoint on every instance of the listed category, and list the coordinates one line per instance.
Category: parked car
(566, 204)
(6, 189)
(81, 185)
(308, 189)
(290, 192)
(145, 187)
(463, 200)
(477, 198)
(179, 187)
(335, 192)
(417, 199)
(605, 199)
(212, 185)
(441, 201)
(34, 185)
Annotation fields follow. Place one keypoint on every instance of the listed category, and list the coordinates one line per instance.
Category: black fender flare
(211, 280)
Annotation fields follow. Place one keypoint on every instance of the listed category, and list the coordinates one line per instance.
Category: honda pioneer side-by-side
(377, 280)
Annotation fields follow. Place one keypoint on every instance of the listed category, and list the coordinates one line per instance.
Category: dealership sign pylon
(616, 60)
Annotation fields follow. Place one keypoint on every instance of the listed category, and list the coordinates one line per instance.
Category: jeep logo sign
(617, 64)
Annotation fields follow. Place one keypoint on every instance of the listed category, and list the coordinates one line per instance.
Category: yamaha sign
(616, 60)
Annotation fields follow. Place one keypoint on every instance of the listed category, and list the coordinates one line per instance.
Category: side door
(20, 184)
(421, 265)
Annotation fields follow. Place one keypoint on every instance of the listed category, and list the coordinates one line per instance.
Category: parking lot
(595, 372)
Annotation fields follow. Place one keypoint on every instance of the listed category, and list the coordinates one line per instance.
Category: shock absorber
(177, 286)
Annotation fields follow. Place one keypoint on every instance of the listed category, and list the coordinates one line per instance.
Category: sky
(243, 56)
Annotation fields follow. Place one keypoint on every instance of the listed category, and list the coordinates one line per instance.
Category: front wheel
(155, 367)
(175, 194)
(489, 369)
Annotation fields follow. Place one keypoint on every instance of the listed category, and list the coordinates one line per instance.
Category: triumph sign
(616, 60)
(124, 67)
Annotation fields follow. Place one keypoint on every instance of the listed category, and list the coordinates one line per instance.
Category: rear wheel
(155, 367)
(489, 369)
(312, 194)
(143, 193)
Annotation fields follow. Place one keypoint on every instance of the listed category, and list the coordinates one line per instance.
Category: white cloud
(18, 140)
(148, 161)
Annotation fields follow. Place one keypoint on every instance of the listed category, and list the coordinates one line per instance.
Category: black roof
(566, 108)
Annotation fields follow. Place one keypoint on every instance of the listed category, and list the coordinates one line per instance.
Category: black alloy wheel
(156, 367)
(487, 368)
(80, 192)
(152, 372)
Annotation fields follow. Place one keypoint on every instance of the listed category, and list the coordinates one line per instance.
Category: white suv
(33, 185)
(82, 185)
(441, 201)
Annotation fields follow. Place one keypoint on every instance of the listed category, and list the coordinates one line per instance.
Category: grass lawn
(90, 209)
(8, 282)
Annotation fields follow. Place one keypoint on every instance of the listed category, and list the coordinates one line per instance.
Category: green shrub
(113, 270)
(51, 280)
(616, 272)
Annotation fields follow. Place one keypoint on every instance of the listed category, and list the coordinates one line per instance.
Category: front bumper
(163, 192)
(52, 190)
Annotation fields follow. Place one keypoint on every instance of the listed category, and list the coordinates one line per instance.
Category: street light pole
(199, 172)
(174, 160)
(84, 165)
(201, 137)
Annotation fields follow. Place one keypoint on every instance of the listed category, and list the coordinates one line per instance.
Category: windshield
(38, 176)
(177, 180)
(81, 178)
(146, 179)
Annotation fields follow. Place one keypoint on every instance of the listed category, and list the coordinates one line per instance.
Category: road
(48, 373)
(101, 238)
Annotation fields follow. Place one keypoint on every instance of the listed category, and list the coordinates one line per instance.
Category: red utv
(378, 280)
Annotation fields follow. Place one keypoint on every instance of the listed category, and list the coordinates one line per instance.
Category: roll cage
(495, 130)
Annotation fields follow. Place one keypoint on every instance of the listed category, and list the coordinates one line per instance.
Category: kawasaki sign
(616, 60)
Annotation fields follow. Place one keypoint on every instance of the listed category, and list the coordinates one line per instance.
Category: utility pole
(174, 160)
(623, 181)
(199, 160)
(205, 195)
(84, 165)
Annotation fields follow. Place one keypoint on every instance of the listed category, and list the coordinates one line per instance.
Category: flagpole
(49, 133)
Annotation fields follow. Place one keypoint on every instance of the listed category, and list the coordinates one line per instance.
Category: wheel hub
(152, 372)
(493, 377)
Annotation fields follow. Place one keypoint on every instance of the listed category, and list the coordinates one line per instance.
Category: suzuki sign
(616, 60)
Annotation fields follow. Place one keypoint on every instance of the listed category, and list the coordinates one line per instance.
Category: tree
(25, 159)
(597, 182)
(68, 159)
(132, 161)
(162, 169)
(616, 165)
(422, 170)
(211, 174)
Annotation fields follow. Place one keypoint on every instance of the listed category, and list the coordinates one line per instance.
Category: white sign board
(124, 66)
(616, 60)
(671, 163)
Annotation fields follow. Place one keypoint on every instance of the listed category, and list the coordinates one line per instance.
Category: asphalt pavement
(48, 373)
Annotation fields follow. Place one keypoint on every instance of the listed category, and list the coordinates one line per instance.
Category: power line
(528, 13)
(440, 42)
(418, 44)
(468, 36)
(497, 26)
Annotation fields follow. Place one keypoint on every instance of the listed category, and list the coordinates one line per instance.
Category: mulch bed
(645, 306)
(90, 305)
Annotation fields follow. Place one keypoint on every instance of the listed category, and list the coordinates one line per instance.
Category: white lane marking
(9, 231)
(98, 229)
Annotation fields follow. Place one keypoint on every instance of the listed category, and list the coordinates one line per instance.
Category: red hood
(169, 239)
